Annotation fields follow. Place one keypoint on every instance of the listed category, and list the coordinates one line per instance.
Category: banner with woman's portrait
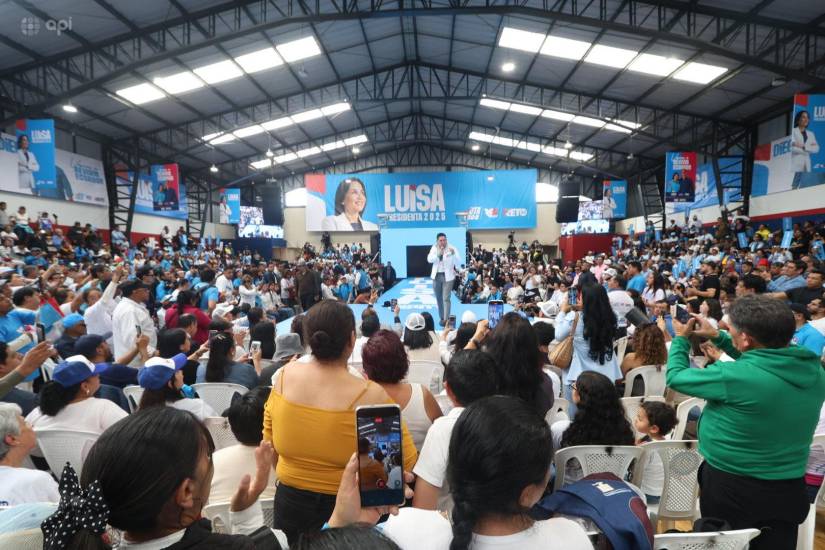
(807, 123)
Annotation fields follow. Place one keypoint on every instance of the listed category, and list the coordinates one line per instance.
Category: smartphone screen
(572, 296)
(682, 314)
(41, 332)
(451, 321)
(495, 309)
(254, 346)
(380, 459)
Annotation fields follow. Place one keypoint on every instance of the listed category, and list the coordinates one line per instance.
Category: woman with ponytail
(310, 420)
(499, 467)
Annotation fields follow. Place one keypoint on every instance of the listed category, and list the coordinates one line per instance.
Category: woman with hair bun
(310, 420)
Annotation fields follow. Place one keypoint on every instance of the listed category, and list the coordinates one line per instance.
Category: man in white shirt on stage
(445, 260)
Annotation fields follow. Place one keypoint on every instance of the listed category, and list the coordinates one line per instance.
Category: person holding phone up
(446, 261)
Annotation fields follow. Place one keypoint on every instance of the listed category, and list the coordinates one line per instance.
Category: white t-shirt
(819, 324)
(653, 479)
(413, 529)
(90, 415)
(432, 460)
(231, 464)
(24, 485)
(198, 407)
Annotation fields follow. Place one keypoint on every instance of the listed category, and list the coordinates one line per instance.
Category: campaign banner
(230, 207)
(165, 187)
(614, 199)
(499, 199)
(35, 156)
(680, 177)
(787, 237)
(773, 168)
(705, 194)
(146, 185)
(808, 121)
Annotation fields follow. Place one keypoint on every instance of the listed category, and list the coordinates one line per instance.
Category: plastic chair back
(633, 404)
(620, 347)
(682, 413)
(653, 377)
(218, 514)
(29, 539)
(558, 411)
(221, 432)
(429, 374)
(133, 395)
(218, 395)
(681, 461)
(594, 459)
(819, 440)
(720, 540)
(62, 446)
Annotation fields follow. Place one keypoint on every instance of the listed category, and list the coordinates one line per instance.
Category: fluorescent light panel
(528, 146)
(263, 163)
(566, 48)
(335, 108)
(655, 64)
(518, 39)
(225, 138)
(282, 122)
(310, 151)
(249, 131)
(525, 109)
(494, 104)
(305, 116)
(178, 83)
(219, 137)
(610, 56)
(219, 72)
(259, 60)
(699, 73)
(565, 117)
(299, 49)
(142, 93)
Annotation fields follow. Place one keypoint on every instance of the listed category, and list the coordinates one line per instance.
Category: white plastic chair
(218, 395)
(620, 347)
(653, 377)
(680, 490)
(558, 411)
(682, 413)
(133, 395)
(29, 539)
(62, 446)
(633, 404)
(594, 459)
(720, 540)
(805, 533)
(429, 374)
(218, 514)
(221, 432)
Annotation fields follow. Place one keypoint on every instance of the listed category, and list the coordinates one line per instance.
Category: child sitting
(655, 420)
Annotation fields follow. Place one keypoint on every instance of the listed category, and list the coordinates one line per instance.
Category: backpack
(610, 503)
(201, 290)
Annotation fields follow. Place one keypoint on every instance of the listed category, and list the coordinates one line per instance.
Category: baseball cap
(469, 317)
(157, 371)
(88, 343)
(610, 273)
(549, 308)
(76, 369)
(415, 321)
(72, 319)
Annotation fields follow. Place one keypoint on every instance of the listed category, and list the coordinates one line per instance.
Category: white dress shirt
(448, 264)
(127, 315)
(224, 285)
(98, 316)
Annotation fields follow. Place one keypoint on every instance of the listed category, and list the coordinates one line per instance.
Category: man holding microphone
(445, 260)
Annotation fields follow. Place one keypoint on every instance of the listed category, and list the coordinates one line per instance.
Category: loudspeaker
(375, 244)
(269, 199)
(569, 188)
(567, 210)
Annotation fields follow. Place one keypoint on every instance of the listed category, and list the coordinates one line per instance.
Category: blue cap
(158, 371)
(75, 370)
(72, 319)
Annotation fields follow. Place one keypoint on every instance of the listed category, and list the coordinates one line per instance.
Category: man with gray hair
(756, 429)
(19, 485)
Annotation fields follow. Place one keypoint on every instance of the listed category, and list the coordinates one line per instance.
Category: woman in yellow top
(310, 420)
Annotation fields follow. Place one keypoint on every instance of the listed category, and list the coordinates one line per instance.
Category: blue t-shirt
(638, 283)
(11, 326)
(210, 293)
(808, 337)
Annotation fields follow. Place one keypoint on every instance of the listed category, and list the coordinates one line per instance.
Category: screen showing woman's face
(803, 120)
(355, 199)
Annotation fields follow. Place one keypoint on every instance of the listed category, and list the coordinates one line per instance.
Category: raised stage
(414, 295)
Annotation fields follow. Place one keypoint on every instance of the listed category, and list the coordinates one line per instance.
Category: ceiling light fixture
(518, 39)
(556, 46)
(299, 49)
(213, 169)
(218, 72)
(475, 147)
(69, 108)
(508, 67)
(356, 150)
(259, 60)
(178, 83)
(269, 153)
(699, 73)
(568, 145)
(142, 93)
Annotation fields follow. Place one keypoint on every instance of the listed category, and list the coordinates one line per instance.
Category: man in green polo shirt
(757, 427)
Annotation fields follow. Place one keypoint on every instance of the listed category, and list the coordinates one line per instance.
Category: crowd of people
(742, 327)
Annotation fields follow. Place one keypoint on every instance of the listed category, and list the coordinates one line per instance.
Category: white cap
(415, 321)
(549, 308)
(469, 317)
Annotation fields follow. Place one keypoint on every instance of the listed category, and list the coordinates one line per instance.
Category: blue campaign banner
(148, 184)
(808, 122)
(36, 156)
(230, 208)
(787, 224)
(500, 199)
(743, 239)
(614, 199)
(680, 177)
(787, 237)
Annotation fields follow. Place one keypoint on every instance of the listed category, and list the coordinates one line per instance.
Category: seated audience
(386, 363)
(545, 334)
(18, 484)
(654, 420)
(453, 340)
(222, 367)
(420, 343)
(805, 334)
(246, 416)
(288, 348)
(759, 420)
(73, 328)
(162, 383)
(648, 349)
(171, 342)
(16, 367)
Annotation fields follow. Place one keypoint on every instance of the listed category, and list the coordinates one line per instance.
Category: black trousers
(307, 301)
(297, 511)
(777, 507)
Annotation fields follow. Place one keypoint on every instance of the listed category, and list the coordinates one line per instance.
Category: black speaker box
(567, 210)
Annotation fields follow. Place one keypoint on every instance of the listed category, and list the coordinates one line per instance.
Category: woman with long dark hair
(515, 349)
(162, 383)
(421, 344)
(654, 290)
(222, 367)
(593, 338)
(188, 303)
(264, 332)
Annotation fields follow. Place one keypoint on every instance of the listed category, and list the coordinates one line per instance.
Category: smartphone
(495, 309)
(681, 313)
(41, 332)
(572, 296)
(138, 330)
(380, 457)
(451, 321)
(254, 346)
